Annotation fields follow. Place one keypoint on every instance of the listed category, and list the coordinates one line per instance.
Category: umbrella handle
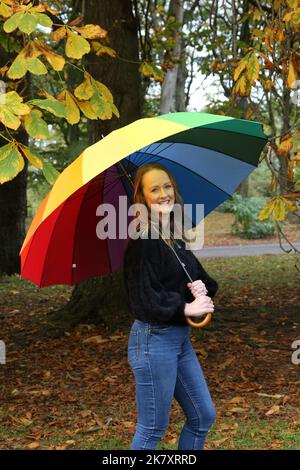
(200, 324)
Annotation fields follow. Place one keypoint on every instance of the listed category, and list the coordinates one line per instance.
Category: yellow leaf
(279, 34)
(285, 145)
(73, 113)
(267, 210)
(55, 60)
(5, 9)
(256, 14)
(115, 110)
(86, 108)
(240, 67)
(91, 31)
(28, 23)
(11, 106)
(11, 165)
(102, 90)
(35, 126)
(76, 46)
(292, 73)
(240, 87)
(288, 17)
(279, 211)
(58, 34)
(33, 157)
(13, 100)
(13, 22)
(18, 68)
(292, 206)
(36, 66)
(268, 85)
(85, 90)
(292, 3)
(269, 39)
(146, 69)
(276, 4)
(252, 68)
(101, 50)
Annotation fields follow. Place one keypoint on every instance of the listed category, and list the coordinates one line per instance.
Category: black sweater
(156, 284)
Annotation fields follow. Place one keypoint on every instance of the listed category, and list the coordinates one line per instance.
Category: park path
(243, 250)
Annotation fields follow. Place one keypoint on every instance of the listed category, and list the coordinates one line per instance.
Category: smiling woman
(160, 352)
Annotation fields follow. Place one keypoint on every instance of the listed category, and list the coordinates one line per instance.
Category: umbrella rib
(144, 152)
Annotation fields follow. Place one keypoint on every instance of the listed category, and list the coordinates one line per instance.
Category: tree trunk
(169, 86)
(13, 211)
(13, 204)
(103, 299)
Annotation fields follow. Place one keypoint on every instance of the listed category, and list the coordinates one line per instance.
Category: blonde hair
(139, 197)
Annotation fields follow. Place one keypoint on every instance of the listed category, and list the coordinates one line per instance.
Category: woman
(160, 352)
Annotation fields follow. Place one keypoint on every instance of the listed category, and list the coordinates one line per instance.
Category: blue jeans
(165, 365)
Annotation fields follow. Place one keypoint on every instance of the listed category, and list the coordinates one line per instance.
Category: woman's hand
(200, 306)
(197, 288)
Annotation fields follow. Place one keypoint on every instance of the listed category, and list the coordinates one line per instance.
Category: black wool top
(155, 282)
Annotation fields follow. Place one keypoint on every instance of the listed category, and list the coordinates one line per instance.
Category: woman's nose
(162, 192)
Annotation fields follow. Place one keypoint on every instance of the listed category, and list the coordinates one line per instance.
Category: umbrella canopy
(209, 155)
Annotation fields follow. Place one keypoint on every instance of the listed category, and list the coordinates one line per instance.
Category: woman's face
(158, 189)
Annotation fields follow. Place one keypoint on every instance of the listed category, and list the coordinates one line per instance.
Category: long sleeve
(148, 297)
(210, 283)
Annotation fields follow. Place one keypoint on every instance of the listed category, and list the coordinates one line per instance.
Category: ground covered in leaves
(78, 391)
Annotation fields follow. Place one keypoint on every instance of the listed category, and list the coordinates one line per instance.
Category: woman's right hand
(199, 307)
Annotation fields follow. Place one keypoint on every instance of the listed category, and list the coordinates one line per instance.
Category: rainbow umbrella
(209, 155)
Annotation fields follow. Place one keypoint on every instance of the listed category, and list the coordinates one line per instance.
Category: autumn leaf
(267, 210)
(52, 105)
(35, 126)
(291, 205)
(86, 108)
(42, 19)
(76, 46)
(252, 68)
(85, 90)
(13, 22)
(36, 66)
(28, 23)
(73, 113)
(55, 60)
(292, 72)
(59, 33)
(11, 165)
(5, 8)
(12, 106)
(32, 157)
(279, 211)
(285, 145)
(91, 31)
(99, 49)
(240, 67)
(146, 69)
(18, 68)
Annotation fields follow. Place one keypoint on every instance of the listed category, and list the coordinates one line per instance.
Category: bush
(246, 223)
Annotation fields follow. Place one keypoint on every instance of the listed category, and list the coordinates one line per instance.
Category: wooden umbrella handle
(200, 324)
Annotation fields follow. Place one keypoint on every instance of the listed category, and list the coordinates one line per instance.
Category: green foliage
(246, 223)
